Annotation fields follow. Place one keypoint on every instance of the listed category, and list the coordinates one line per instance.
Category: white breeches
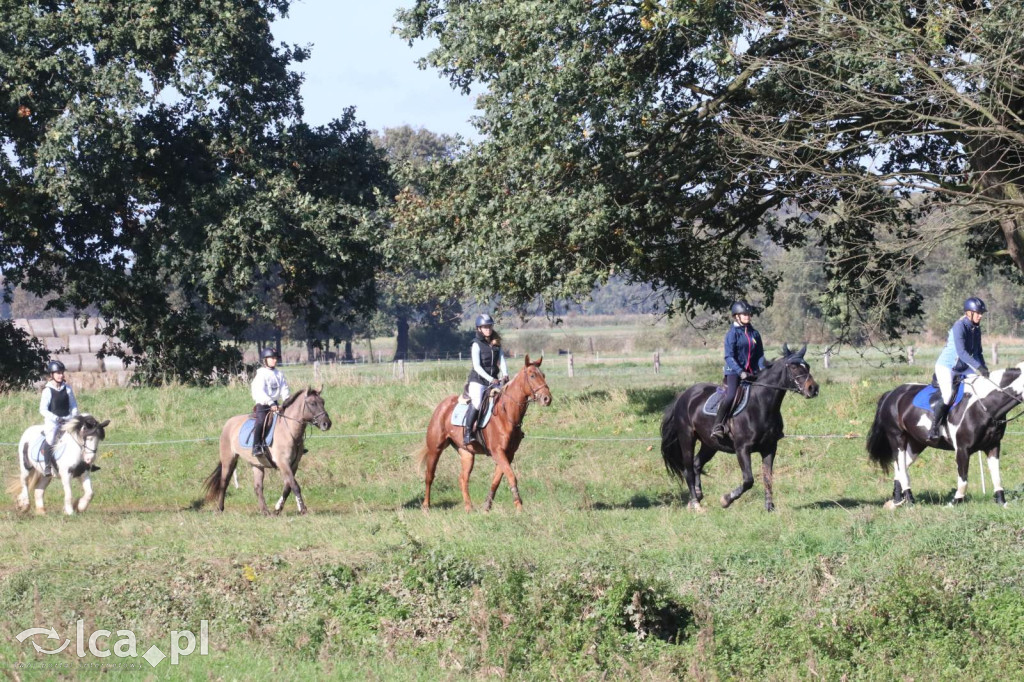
(476, 393)
(945, 377)
(51, 430)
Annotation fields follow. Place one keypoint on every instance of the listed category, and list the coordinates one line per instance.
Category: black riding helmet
(741, 308)
(269, 353)
(975, 305)
(55, 366)
(484, 320)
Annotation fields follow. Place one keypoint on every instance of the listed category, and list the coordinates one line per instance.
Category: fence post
(572, 369)
(657, 361)
(401, 369)
(910, 355)
(995, 354)
(316, 371)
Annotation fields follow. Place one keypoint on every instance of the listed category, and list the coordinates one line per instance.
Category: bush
(22, 357)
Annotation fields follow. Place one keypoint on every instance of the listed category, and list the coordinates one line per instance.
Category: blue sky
(357, 61)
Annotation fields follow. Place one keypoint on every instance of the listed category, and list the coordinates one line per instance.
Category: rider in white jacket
(269, 389)
(57, 404)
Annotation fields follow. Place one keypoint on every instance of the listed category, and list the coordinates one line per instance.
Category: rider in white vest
(269, 389)
(57, 404)
(488, 361)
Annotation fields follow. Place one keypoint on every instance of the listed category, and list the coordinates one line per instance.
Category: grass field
(605, 575)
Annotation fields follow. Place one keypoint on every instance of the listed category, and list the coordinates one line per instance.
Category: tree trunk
(348, 351)
(402, 339)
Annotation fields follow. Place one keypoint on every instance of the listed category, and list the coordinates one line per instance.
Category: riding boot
(718, 430)
(49, 463)
(938, 419)
(469, 424)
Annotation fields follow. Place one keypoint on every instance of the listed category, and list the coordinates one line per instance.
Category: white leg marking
(83, 503)
(280, 504)
(993, 470)
(902, 464)
(69, 507)
(961, 488)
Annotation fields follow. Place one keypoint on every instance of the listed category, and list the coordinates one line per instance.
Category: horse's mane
(292, 398)
(82, 421)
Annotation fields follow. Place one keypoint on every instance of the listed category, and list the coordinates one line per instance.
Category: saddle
(490, 398)
(930, 397)
(710, 407)
(245, 433)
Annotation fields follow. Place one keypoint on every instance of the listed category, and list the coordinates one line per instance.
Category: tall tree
(640, 138)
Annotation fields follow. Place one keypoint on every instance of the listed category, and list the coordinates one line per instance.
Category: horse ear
(540, 361)
(527, 360)
(320, 388)
(104, 424)
(801, 352)
(785, 350)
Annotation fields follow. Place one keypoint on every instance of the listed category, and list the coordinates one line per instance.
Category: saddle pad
(35, 449)
(459, 415)
(711, 405)
(922, 399)
(245, 434)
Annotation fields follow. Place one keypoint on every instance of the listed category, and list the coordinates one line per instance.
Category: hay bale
(41, 328)
(91, 325)
(73, 362)
(78, 344)
(96, 343)
(64, 326)
(112, 363)
(55, 345)
(22, 323)
(90, 363)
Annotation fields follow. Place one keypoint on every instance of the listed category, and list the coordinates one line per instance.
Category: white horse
(75, 453)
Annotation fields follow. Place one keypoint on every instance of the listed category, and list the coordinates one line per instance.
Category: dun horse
(758, 428)
(305, 407)
(75, 453)
(502, 434)
(900, 430)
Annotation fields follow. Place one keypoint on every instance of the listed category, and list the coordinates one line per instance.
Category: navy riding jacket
(744, 351)
(963, 353)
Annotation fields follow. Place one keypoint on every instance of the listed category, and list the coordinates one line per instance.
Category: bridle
(316, 419)
(794, 389)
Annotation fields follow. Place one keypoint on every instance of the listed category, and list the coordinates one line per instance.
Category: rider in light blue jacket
(962, 355)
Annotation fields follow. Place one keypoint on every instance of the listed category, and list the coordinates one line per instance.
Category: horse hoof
(699, 495)
(956, 501)
(725, 501)
(696, 506)
(889, 504)
(304, 511)
(1000, 498)
(469, 509)
(769, 507)
(276, 512)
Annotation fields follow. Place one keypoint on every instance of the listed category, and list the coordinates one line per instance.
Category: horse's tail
(880, 450)
(670, 452)
(215, 483)
(421, 456)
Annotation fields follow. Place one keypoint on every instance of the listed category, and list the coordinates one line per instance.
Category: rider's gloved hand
(983, 371)
(744, 376)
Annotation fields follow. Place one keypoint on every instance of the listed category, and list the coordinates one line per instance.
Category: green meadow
(604, 575)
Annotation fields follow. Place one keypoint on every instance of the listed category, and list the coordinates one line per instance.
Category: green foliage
(22, 357)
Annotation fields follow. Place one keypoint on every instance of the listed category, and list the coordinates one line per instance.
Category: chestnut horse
(502, 434)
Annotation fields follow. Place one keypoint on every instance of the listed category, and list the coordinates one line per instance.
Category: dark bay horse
(757, 429)
(302, 408)
(502, 435)
(900, 430)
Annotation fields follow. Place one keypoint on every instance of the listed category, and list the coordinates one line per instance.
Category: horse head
(799, 372)
(314, 409)
(87, 431)
(536, 385)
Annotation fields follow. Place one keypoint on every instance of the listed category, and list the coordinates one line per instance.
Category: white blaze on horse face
(89, 451)
(993, 470)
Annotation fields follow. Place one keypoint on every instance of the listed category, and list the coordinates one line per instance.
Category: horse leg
(289, 480)
(23, 498)
(257, 486)
(495, 482)
(41, 483)
(997, 481)
(505, 466)
(83, 503)
(69, 496)
(467, 468)
(284, 497)
(704, 456)
(767, 465)
(963, 466)
(430, 460)
(743, 457)
(901, 493)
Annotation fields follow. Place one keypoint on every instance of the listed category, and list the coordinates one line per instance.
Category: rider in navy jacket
(744, 358)
(962, 355)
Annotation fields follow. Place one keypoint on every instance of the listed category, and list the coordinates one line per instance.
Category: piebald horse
(76, 452)
(900, 430)
(502, 435)
(305, 407)
(757, 429)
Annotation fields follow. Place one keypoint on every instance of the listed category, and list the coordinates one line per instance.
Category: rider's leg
(476, 395)
(259, 413)
(944, 375)
(50, 431)
(732, 384)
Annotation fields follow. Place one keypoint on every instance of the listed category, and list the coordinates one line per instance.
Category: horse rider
(57, 404)
(268, 388)
(962, 356)
(488, 368)
(744, 358)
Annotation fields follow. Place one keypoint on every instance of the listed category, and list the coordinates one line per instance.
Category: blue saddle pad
(922, 399)
(245, 434)
(459, 415)
(35, 449)
(711, 404)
